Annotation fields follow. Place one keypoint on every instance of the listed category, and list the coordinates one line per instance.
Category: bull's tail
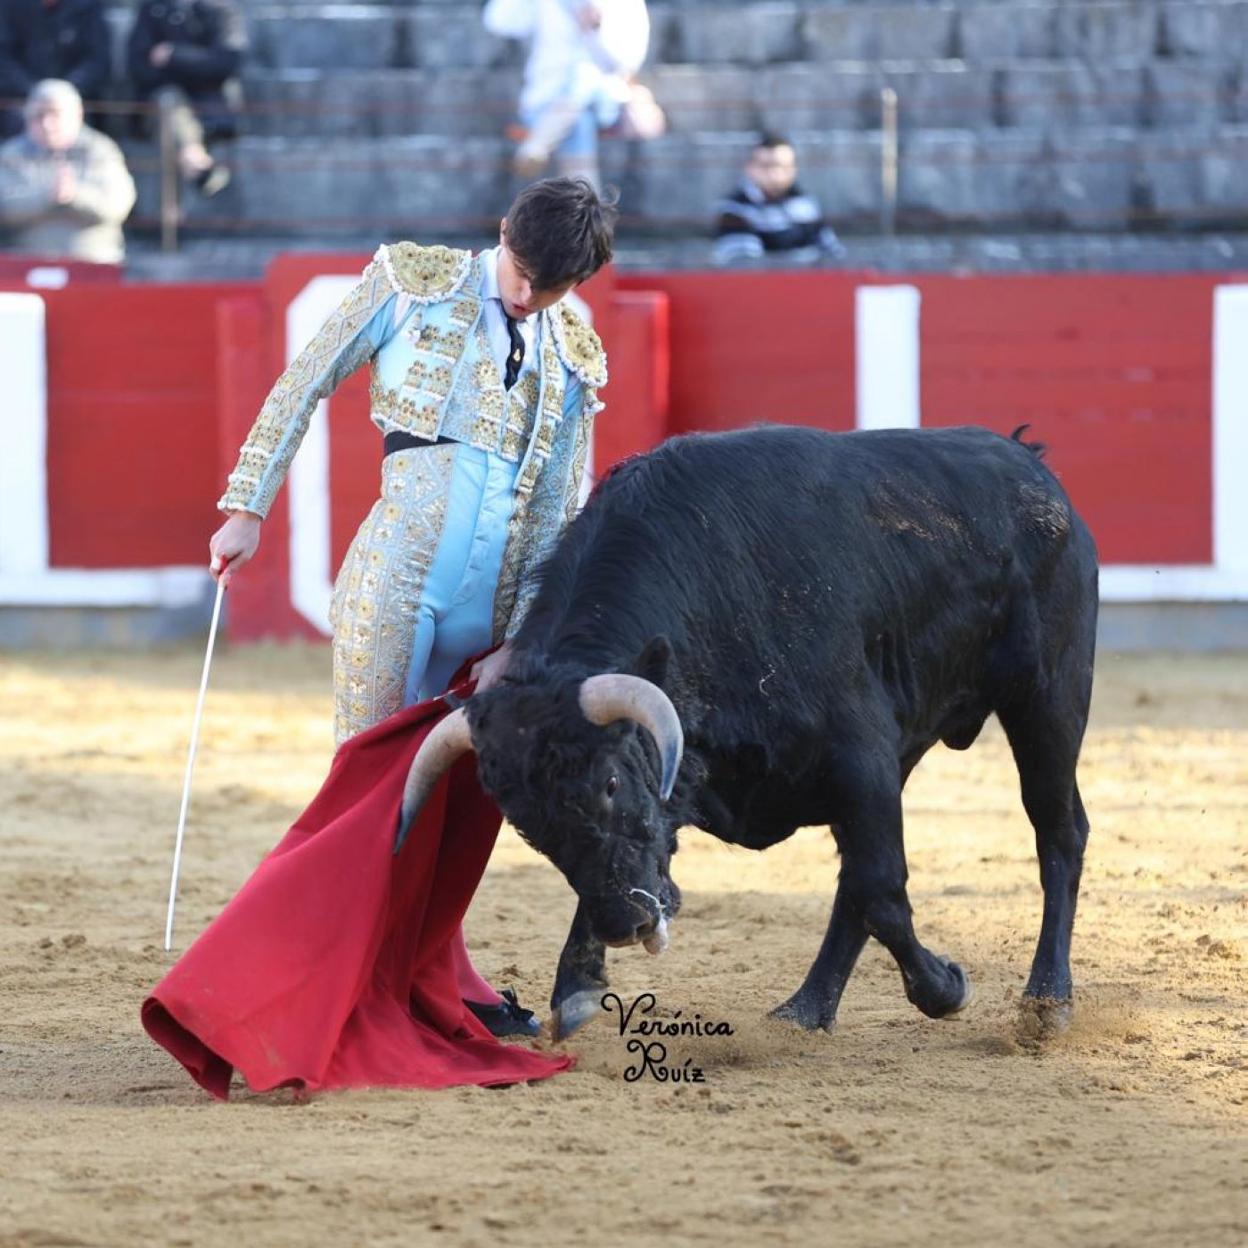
(1038, 449)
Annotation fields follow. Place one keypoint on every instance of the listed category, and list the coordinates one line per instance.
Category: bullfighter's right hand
(233, 544)
(487, 672)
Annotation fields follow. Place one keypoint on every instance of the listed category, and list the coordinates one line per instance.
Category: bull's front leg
(580, 980)
(815, 1003)
(871, 900)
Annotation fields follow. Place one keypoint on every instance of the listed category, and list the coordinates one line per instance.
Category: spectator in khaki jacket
(64, 188)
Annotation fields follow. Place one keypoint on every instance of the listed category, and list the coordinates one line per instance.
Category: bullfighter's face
(585, 796)
(517, 293)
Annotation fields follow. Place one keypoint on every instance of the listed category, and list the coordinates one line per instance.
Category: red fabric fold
(331, 967)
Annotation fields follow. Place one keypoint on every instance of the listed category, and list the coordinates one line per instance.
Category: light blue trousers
(455, 618)
(415, 595)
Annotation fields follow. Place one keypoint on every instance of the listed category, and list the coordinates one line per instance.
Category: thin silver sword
(190, 761)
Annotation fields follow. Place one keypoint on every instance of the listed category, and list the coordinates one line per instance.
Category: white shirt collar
(489, 273)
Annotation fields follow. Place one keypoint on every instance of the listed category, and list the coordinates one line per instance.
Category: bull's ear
(653, 661)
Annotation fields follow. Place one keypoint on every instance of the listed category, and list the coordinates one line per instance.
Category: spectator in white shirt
(582, 58)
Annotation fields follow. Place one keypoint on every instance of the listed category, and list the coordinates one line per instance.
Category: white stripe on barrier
(311, 573)
(1230, 433)
(1226, 580)
(23, 465)
(886, 351)
(1129, 582)
(175, 586)
(25, 577)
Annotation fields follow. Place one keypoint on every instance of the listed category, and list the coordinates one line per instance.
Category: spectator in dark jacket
(184, 55)
(768, 212)
(66, 40)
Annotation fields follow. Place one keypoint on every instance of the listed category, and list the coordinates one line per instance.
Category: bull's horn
(604, 699)
(448, 741)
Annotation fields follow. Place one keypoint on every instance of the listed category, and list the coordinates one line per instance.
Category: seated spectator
(64, 188)
(65, 39)
(583, 55)
(184, 55)
(768, 212)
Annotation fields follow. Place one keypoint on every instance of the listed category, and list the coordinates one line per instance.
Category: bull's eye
(612, 785)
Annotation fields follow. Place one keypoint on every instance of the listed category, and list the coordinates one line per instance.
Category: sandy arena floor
(1132, 1129)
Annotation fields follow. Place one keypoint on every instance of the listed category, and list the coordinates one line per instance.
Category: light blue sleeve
(358, 329)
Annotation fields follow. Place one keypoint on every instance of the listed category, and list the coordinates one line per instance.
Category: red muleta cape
(330, 968)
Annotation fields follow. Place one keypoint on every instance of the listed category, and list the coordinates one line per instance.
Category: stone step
(1087, 179)
(441, 34)
(1104, 178)
(454, 103)
(972, 30)
(951, 94)
(843, 95)
(231, 259)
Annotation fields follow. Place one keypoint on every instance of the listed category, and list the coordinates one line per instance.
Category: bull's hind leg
(871, 900)
(1045, 738)
(1043, 677)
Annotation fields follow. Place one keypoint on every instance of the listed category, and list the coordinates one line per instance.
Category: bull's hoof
(967, 996)
(946, 993)
(573, 1013)
(1043, 1018)
(807, 1014)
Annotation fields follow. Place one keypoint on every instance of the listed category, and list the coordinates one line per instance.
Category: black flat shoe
(507, 1017)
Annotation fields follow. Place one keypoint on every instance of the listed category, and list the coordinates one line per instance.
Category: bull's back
(877, 505)
(890, 559)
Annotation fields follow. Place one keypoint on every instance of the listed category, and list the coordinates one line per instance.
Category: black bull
(815, 611)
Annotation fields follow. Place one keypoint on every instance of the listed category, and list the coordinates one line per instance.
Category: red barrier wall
(152, 389)
(638, 396)
(133, 467)
(749, 347)
(1113, 372)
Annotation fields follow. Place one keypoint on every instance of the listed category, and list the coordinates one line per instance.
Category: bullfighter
(484, 386)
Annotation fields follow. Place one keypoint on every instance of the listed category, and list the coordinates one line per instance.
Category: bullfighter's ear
(653, 661)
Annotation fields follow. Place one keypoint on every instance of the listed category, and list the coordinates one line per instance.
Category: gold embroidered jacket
(416, 314)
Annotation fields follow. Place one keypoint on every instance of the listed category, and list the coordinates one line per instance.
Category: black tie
(515, 357)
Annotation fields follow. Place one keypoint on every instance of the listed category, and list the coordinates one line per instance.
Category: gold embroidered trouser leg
(378, 591)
